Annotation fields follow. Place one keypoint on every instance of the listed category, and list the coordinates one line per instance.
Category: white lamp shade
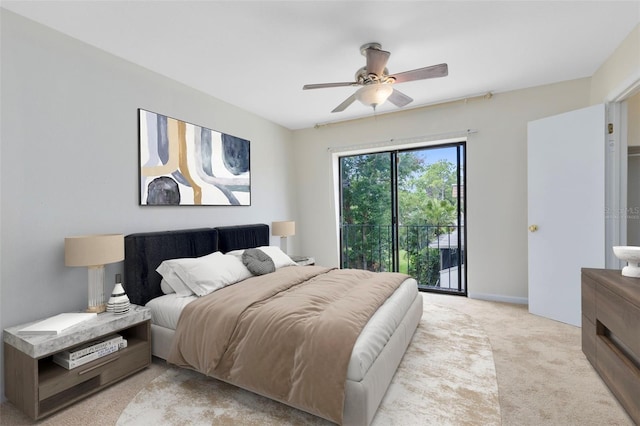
(93, 250)
(374, 94)
(283, 229)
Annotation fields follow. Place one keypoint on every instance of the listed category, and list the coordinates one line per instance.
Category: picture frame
(183, 164)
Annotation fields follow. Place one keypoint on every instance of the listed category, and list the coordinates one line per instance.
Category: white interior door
(566, 203)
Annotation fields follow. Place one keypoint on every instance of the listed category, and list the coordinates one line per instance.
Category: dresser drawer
(620, 374)
(619, 317)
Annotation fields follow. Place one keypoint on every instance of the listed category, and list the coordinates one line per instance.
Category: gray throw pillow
(258, 262)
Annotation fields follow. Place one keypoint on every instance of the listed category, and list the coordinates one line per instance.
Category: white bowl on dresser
(631, 255)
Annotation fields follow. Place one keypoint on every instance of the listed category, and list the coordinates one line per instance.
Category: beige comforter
(287, 335)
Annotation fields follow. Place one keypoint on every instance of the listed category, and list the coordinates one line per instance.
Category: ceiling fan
(377, 84)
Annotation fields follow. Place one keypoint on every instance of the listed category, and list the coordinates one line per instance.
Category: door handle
(533, 228)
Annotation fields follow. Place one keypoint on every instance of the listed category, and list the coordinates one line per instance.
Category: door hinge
(610, 128)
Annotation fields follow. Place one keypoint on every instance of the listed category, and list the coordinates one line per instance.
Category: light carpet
(447, 377)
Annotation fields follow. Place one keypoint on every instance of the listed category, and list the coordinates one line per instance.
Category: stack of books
(91, 351)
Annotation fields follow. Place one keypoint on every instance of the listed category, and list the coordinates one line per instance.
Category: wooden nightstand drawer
(136, 357)
(55, 379)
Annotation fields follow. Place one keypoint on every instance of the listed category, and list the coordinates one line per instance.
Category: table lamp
(94, 251)
(283, 230)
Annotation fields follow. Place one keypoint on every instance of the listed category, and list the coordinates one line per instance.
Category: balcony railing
(433, 255)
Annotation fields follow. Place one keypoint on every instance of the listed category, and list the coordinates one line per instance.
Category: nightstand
(303, 260)
(39, 387)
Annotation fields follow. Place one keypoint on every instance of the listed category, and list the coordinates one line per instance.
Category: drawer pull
(98, 366)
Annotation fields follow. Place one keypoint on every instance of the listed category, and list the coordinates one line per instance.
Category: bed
(378, 348)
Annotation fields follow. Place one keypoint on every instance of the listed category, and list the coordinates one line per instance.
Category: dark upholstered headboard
(144, 252)
(242, 237)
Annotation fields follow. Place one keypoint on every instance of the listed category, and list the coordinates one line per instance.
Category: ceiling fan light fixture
(376, 83)
(374, 94)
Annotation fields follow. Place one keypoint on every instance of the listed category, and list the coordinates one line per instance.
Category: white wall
(496, 177)
(69, 162)
(619, 72)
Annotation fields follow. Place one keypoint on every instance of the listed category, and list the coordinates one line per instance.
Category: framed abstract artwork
(184, 164)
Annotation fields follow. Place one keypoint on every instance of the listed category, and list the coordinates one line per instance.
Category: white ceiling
(258, 55)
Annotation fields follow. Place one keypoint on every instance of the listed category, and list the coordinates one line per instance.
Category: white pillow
(165, 287)
(235, 253)
(212, 272)
(280, 258)
(167, 270)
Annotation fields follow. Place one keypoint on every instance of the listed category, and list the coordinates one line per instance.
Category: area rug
(447, 377)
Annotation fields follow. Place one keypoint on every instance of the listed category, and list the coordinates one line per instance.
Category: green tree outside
(427, 207)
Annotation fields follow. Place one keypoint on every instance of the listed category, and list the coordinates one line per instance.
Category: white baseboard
(499, 298)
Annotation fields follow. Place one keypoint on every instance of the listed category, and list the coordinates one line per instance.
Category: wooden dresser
(611, 333)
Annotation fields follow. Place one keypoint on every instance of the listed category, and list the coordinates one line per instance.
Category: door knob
(533, 228)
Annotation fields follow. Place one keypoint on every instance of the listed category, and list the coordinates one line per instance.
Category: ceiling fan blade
(325, 85)
(376, 61)
(434, 71)
(398, 98)
(351, 99)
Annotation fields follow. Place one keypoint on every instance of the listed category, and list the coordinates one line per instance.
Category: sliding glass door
(367, 212)
(404, 211)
